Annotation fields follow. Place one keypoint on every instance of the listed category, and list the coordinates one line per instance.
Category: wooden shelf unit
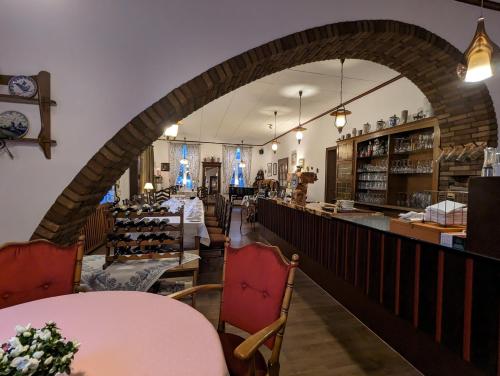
(43, 101)
(111, 245)
(396, 183)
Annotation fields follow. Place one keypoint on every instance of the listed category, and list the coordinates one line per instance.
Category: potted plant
(37, 352)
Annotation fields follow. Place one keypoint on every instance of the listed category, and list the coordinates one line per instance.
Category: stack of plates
(346, 204)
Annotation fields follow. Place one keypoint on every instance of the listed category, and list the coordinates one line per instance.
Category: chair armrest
(194, 290)
(249, 346)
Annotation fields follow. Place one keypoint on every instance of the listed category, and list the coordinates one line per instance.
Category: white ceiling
(245, 113)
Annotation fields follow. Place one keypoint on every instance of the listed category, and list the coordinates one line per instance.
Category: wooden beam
(327, 112)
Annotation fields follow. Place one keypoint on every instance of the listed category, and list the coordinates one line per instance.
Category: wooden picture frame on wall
(293, 159)
(275, 169)
(269, 171)
(282, 171)
(165, 167)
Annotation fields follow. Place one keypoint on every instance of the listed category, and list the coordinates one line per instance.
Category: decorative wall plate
(13, 124)
(23, 86)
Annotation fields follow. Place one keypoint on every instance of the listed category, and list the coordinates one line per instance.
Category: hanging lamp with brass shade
(480, 57)
(340, 114)
(299, 135)
(275, 143)
(242, 162)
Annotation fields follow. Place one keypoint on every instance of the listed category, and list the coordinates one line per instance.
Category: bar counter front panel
(438, 307)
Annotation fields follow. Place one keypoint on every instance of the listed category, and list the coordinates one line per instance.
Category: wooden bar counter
(437, 306)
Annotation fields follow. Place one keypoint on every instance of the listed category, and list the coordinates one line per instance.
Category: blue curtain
(237, 171)
(184, 168)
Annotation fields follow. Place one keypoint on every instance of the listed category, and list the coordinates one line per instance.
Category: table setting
(194, 219)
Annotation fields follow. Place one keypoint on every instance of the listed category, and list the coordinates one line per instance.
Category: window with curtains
(184, 176)
(236, 166)
(238, 178)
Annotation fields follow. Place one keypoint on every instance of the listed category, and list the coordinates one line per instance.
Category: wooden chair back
(202, 193)
(162, 195)
(257, 276)
(38, 269)
(228, 212)
(218, 206)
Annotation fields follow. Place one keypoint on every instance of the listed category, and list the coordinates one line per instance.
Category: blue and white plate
(23, 86)
(13, 124)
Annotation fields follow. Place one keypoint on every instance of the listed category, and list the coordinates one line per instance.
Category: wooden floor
(321, 337)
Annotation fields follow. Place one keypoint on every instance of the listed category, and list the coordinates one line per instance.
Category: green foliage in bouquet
(37, 352)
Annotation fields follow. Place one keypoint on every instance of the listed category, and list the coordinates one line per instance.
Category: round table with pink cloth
(126, 333)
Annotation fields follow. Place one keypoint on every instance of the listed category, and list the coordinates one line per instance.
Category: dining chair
(214, 219)
(256, 287)
(39, 269)
(218, 235)
(202, 193)
(162, 195)
(218, 226)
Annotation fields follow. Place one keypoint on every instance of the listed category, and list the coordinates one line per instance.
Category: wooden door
(282, 171)
(331, 174)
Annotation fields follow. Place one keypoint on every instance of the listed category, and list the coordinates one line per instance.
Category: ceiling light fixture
(341, 113)
(479, 55)
(299, 135)
(274, 146)
(171, 132)
(242, 163)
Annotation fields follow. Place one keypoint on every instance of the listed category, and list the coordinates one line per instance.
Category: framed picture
(293, 158)
(165, 166)
(269, 169)
(275, 169)
(301, 162)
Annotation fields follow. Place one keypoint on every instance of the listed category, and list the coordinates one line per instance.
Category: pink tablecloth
(126, 333)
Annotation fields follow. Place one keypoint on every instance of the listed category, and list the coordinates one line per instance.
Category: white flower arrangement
(37, 352)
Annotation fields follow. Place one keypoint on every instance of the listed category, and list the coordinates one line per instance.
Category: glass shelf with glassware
(392, 166)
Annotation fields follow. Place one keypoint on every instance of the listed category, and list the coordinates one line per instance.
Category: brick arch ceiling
(465, 112)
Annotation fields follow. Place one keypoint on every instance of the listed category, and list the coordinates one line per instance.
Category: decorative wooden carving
(300, 193)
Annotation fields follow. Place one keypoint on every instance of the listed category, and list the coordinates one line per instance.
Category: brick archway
(465, 112)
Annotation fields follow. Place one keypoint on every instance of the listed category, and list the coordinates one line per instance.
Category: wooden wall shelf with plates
(43, 101)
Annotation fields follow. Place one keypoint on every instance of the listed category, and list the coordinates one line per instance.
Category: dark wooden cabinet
(483, 224)
(211, 181)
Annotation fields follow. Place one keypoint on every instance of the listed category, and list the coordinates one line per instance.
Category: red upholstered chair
(256, 293)
(38, 269)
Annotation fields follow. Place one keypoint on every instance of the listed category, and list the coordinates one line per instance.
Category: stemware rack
(393, 167)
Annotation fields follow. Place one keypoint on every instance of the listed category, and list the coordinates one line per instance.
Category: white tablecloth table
(126, 333)
(193, 226)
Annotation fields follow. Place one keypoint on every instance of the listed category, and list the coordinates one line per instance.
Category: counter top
(370, 219)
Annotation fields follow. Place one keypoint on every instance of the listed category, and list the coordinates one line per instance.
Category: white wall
(110, 59)
(322, 134)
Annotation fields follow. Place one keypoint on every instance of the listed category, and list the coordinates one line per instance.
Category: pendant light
(478, 56)
(341, 113)
(274, 146)
(299, 135)
(242, 163)
(171, 132)
(184, 160)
